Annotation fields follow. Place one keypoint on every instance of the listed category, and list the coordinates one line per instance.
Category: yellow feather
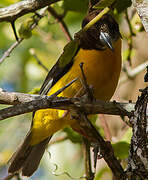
(102, 70)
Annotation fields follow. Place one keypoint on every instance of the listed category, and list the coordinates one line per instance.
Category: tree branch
(87, 157)
(138, 158)
(11, 48)
(60, 20)
(132, 73)
(24, 103)
(130, 38)
(14, 11)
(32, 52)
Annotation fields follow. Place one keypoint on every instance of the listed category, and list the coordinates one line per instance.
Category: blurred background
(21, 72)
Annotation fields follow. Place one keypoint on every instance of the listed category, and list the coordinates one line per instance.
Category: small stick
(32, 52)
(63, 88)
(88, 168)
(61, 22)
(14, 30)
(85, 84)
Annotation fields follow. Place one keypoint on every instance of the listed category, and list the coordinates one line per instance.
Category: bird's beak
(106, 40)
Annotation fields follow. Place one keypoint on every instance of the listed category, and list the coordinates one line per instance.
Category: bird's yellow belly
(102, 70)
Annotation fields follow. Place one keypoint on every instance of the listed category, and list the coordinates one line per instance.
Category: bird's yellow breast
(102, 70)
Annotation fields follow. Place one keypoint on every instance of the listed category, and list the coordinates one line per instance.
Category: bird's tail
(28, 157)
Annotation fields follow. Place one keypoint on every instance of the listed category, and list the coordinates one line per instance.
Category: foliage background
(21, 72)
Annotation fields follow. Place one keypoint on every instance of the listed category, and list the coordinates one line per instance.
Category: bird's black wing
(61, 67)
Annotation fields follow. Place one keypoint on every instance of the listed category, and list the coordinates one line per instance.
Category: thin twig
(130, 40)
(131, 73)
(14, 45)
(129, 23)
(95, 155)
(63, 25)
(88, 168)
(85, 84)
(63, 88)
(32, 52)
(11, 48)
(14, 30)
(97, 18)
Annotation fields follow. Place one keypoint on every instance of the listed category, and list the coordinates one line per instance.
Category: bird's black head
(102, 34)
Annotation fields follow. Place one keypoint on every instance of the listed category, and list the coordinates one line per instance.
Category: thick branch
(24, 103)
(14, 11)
(138, 158)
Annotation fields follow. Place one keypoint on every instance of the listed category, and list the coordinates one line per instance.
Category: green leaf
(76, 5)
(120, 6)
(121, 149)
(69, 52)
(103, 4)
(24, 31)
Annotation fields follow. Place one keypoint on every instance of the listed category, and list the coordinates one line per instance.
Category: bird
(99, 49)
